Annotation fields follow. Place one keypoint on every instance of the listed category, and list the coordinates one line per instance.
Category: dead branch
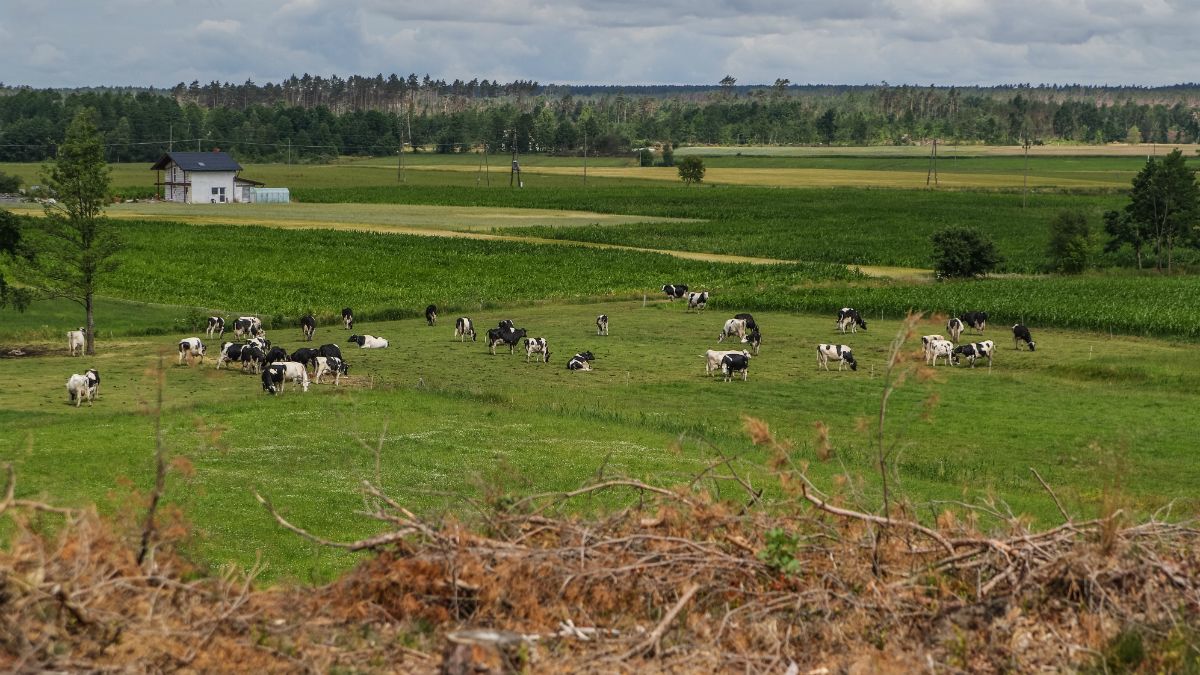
(650, 645)
(1052, 495)
(879, 520)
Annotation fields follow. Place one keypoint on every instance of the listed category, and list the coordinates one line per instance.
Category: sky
(65, 43)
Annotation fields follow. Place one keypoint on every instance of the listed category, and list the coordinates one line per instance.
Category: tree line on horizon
(314, 118)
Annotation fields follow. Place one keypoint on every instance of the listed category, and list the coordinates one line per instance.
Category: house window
(218, 195)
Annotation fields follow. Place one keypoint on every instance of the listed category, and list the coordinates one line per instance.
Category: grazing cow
(697, 301)
(81, 387)
(254, 357)
(348, 318)
(431, 315)
(976, 320)
(848, 317)
(925, 341)
(755, 340)
(216, 327)
(308, 324)
(331, 365)
(1021, 334)
(369, 341)
(191, 348)
(504, 336)
(735, 363)
(307, 356)
(975, 350)
(537, 345)
(748, 318)
(275, 374)
(955, 328)
(260, 342)
(230, 351)
(463, 327)
(77, 339)
(733, 327)
(839, 353)
(939, 349)
(712, 359)
(505, 324)
(674, 291)
(275, 354)
(247, 325)
(330, 350)
(602, 324)
(580, 361)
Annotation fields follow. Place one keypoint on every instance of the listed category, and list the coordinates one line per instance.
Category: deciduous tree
(963, 252)
(691, 169)
(1165, 200)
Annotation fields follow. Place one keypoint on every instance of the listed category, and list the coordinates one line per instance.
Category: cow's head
(357, 339)
(1032, 346)
(862, 323)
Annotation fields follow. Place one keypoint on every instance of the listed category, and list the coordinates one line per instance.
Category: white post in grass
(643, 301)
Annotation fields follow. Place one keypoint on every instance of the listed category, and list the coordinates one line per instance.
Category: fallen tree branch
(879, 520)
(1052, 495)
(650, 645)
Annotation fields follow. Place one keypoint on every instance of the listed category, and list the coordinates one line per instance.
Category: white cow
(839, 353)
(712, 359)
(925, 340)
(77, 339)
(81, 387)
(939, 348)
(190, 349)
(697, 301)
(955, 328)
(733, 327)
(331, 365)
(369, 341)
(280, 371)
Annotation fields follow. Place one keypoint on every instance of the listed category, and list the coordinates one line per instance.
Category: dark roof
(239, 179)
(198, 161)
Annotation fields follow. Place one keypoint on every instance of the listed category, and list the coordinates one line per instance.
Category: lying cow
(697, 301)
(735, 363)
(674, 291)
(955, 328)
(504, 336)
(308, 324)
(369, 341)
(580, 361)
(216, 327)
(839, 353)
(431, 315)
(348, 318)
(274, 375)
(975, 350)
(331, 365)
(463, 327)
(602, 324)
(538, 346)
(1021, 334)
(712, 359)
(81, 387)
(77, 340)
(191, 349)
(939, 349)
(848, 317)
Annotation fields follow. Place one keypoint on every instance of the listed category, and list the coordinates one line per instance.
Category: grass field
(461, 423)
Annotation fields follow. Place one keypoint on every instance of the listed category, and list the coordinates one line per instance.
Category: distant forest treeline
(311, 117)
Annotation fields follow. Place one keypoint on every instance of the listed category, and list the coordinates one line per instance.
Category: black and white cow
(975, 350)
(274, 375)
(308, 324)
(331, 365)
(431, 315)
(976, 320)
(839, 353)
(330, 350)
(939, 349)
(247, 325)
(712, 359)
(749, 319)
(538, 346)
(348, 318)
(602, 324)
(306, 356)
(1021, 334)
(926, 340)
(848, 317)
(581, 361)
(504, 336)
(732, 327)
(216, 327)
(955, 328)
(230, 351)
(275, 354)
(735, 363)
(77, 340)
(260, 342)
(464, 327)
(83, 387)
(755, 340)
(697, 301)
(369, 341)
(674, 291)
(253, 357)
(191, 349)
(505, 324)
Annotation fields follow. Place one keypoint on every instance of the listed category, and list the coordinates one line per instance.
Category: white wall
(204, 182)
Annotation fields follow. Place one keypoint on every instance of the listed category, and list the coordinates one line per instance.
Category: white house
(203, 178)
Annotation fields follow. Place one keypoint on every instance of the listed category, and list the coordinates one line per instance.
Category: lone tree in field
(1070, 242)
(691, 169)
(69, 250)
(962, 252)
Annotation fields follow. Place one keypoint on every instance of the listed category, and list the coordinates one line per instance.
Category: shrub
(9, 184)
(1070, 242)
(645, 157)
(668, 156)
(691, 169)
(963, 252)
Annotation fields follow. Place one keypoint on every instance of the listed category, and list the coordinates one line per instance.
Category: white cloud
(46, 55)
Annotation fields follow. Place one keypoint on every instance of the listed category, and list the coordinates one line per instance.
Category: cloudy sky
(67, 43)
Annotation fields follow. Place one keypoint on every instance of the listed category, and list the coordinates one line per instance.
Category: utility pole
(932, 172)
(585, 156)
(289, 151)
(1025, 180)
(400, 177)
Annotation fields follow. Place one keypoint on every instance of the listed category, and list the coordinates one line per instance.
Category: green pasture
(1092, 414)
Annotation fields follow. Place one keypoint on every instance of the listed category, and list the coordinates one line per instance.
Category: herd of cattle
(276, 366)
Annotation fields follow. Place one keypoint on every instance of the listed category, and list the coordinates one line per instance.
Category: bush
(1070, 243)
(691, 169)
(668, 156)
(645, 157)
(961, 252)
(9, 184)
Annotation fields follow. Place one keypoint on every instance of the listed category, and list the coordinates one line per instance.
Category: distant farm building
(203, 178)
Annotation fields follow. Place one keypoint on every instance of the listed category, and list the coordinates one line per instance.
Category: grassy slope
(1079, 410)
